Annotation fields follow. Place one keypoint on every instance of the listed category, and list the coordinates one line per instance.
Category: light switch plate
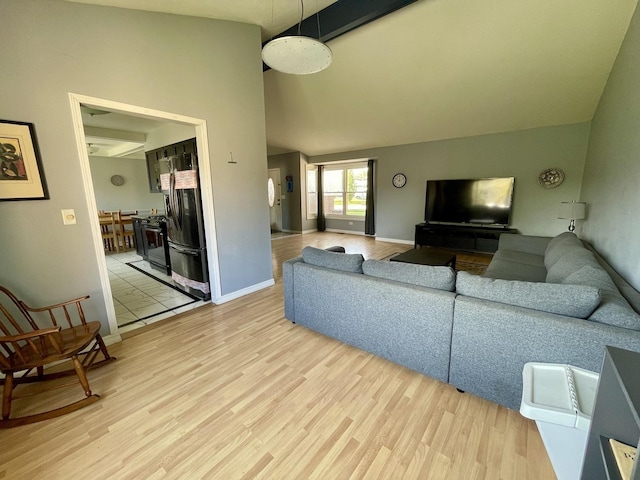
(69, 217)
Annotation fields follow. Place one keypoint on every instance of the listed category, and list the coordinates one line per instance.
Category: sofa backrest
(346, 262)
(570, 262)
(577, 301)
(440, 278)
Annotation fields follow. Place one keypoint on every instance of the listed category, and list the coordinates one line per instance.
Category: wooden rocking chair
(25, 346)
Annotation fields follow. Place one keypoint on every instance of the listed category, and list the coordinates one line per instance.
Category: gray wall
(308, 224)
(185, 65)
(289, 164)
(612, 170)
(523, 155)
(133, 195)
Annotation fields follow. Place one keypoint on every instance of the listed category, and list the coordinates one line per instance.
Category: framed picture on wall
(21, 174)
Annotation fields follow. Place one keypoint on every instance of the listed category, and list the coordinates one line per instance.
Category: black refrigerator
(185, 225)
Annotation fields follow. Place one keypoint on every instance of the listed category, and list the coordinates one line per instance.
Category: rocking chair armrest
(29, 335)
(62, 311)
(52, 307)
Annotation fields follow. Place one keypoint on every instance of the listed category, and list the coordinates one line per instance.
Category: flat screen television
(480, 201)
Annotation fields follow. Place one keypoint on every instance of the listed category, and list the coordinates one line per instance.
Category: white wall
(612, 171)
(523, 155)
(196, 67)
(133, 195)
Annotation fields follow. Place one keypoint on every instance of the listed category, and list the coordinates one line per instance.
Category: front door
(275, 209)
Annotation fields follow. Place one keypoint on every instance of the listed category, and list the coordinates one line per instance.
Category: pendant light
(297, 54)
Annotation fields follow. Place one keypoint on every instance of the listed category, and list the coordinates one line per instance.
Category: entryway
(205, 180)
(274, 189)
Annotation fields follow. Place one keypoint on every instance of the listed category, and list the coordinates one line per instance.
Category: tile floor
(140, 299)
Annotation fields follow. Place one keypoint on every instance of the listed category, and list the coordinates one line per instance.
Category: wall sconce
(572, 211)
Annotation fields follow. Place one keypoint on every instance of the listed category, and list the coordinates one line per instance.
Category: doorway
(204, 175)
(275, 200)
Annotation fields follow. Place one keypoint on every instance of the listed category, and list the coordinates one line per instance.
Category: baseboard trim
(309, 231)
(394, 240)
(241, 293)
(351, 232)
(111, 339)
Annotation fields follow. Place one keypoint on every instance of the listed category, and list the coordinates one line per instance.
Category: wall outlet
(69, 217)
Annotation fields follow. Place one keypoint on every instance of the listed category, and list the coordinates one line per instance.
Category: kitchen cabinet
(155, 167)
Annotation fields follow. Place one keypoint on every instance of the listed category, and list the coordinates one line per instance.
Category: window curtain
(370, 216)
(321, 221)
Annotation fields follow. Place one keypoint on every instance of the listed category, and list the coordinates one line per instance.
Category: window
(312, 192)
(345, 190)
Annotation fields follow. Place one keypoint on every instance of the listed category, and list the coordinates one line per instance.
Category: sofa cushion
(560, 246)
(569, 263)
(515, 271)
(614, 308)
(346, 262)
(558, 239)
(517, 257)
(442, 278)
(572, 300)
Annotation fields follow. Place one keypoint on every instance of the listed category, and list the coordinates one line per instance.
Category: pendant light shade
(297, 55)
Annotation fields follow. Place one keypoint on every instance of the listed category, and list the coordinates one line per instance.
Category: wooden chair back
(125, 229)
(108, 230)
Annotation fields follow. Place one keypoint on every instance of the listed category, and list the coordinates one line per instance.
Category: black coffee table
(425, 256)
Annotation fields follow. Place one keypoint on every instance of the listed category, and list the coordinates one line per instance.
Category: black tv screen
(484, 201)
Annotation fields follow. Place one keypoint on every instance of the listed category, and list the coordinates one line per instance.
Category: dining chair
(109, 231)
(32, 339)
(125, 228)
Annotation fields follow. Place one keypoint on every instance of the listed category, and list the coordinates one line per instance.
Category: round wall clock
(399, 180)
(117, 180)
(551, 177)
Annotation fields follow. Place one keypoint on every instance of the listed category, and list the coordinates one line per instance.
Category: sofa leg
(461, 391)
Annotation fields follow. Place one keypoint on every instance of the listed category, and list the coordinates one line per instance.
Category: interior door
(275, 196)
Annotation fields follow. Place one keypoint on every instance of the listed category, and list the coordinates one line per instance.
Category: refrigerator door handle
(176, 209)
(186, 252)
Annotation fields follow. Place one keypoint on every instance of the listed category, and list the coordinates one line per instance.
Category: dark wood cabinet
(472, 239)
(155, 167)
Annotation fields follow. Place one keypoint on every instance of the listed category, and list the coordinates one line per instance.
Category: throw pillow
(441, 278)
(577, 301)
(614, 308)
(346, 262)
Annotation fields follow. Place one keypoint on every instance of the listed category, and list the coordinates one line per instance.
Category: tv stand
(460, 237)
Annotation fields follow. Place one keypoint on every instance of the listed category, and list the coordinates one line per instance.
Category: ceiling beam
(342, 17)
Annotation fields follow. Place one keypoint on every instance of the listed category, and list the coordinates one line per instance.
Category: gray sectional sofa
(541, 299)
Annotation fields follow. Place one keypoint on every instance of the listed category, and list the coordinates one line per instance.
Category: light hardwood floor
(236, 391)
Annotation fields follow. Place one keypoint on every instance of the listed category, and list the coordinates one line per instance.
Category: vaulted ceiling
(433, 70)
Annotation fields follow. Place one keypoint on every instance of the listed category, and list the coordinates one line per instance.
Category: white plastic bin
(560, 399)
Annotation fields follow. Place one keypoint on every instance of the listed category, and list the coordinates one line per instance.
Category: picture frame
(21, 173)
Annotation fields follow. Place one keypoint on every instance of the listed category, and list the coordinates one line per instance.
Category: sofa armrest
(287, 283)
(524, 243)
